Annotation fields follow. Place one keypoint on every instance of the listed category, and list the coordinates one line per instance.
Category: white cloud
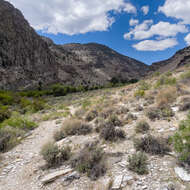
(155, 45)
(145, 9)
(187, 39)
(161, 29)
(133, 22)
(178, 9)
(71, 16)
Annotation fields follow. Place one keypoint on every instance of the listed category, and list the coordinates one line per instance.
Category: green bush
(90, 160)
(6, 98)
(59, 90)
(138, 163)
(139, 93)
(4, 113)
(143, 85)
(38, 104)
(152, 145)
(55, 156)
(164, 80)
(181, 141)
(142, 127)
(20, 122)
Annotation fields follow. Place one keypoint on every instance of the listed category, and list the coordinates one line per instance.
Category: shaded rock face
(94, 64)
(181, 58)
(25, 58)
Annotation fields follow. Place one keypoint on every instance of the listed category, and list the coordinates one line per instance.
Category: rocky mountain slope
(26, 59)
(94, 64)
(181, 58)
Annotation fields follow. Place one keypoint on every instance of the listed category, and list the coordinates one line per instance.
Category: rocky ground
(22, 168)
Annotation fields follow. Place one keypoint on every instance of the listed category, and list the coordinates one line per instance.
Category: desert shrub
(114, 120)
(159, 113)
(122, 110)
(130, 117)
(152, 145)
(38, 104)
(166, 96)
(164, 80)
(91, 115)
(110, 133)
(53, 155)
(153, 113)
(9, 137)
(181, 141)
(156, 74)
(20, 122)
(143, 85)
(185, 75)
(76, 127)
(4, 113)
(142, 127)
(6, 98)
(185, 104)
(106, 113)
(90, 160)
(59, 135)
(138, 163)
(59, 90)
(139, 93)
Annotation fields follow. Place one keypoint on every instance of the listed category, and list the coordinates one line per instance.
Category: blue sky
(147, 30)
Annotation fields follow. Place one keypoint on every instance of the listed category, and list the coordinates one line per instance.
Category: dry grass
(166, 96)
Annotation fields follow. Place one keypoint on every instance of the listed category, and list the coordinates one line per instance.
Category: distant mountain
(27, 59)
(94, 64)
(181, 58)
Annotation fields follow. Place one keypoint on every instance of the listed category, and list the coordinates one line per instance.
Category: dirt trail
(19, 169)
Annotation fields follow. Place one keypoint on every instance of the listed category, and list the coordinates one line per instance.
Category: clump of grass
(54, 156)
(130, 117)
(138, 163)
(143, 85)
(55, 115)
(20, 122)
(185, 104)
(139, 93)
(165, 80)
(114, 120)
(152, 145)
(6, 98)
(76, 127)
(185, 75)
(90, 160)
(142, 127)
(4, 113)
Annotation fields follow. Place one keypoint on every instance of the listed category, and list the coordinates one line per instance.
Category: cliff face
(25, 58)
(181, 58)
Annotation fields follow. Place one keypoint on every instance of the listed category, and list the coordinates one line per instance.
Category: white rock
(182, 174)
(117, 182)
(52, 176)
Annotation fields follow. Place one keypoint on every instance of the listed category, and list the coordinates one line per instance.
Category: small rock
(51, 177)
(117, 182)
(182, 174)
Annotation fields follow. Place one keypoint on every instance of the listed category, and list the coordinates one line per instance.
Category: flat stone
(52, 176)
(117, 182)
(182, 174)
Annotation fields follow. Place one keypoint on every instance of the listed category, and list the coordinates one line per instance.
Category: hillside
(181, 58)
(27, 59)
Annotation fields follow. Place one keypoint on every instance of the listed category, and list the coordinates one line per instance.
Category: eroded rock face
(25, 58)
